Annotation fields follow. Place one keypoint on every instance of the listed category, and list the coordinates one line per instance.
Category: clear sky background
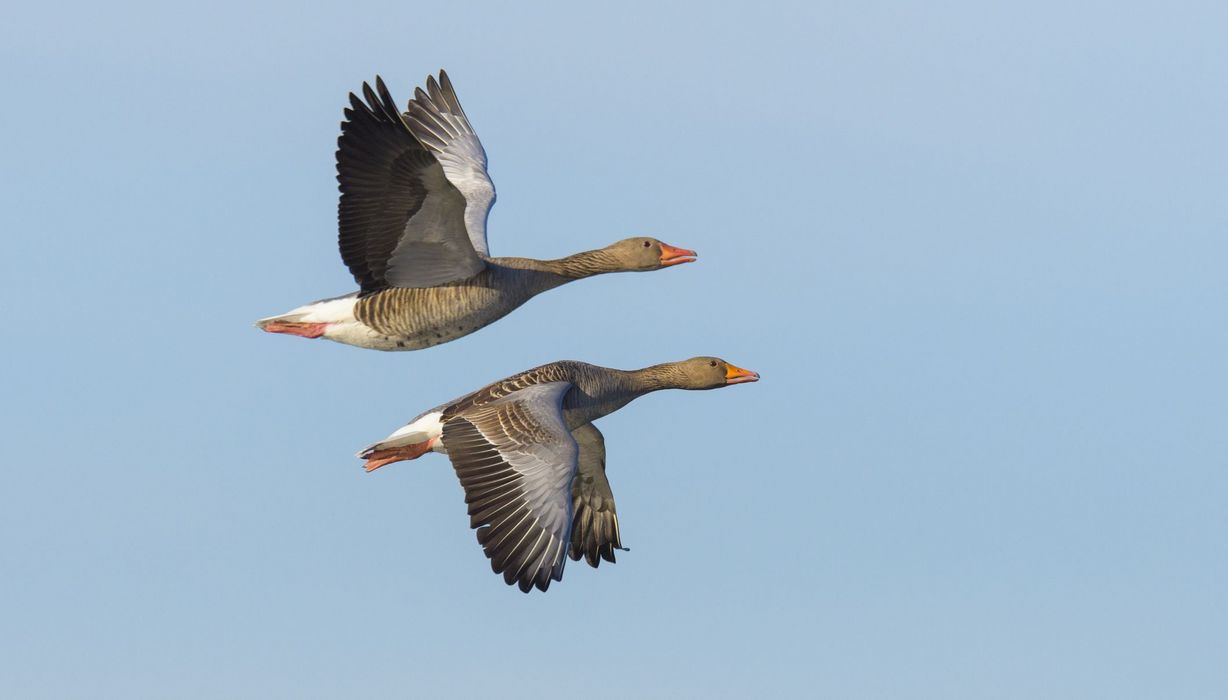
(976, 250)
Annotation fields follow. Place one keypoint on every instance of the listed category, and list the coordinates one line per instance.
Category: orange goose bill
(737, 375)
(676, 256)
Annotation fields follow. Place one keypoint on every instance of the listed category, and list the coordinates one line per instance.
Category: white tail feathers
(335, 310)
(423, 428)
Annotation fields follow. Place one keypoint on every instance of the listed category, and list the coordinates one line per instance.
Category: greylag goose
(415, 195)
(531, 462)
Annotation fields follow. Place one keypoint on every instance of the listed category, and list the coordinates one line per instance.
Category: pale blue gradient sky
(977, 252)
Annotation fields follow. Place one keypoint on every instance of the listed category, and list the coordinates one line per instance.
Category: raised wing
(401, 222)
(594, 521)
(436, 118)
(516, 461)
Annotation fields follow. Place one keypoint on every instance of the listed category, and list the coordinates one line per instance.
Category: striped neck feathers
(586, 264)
(657, 377)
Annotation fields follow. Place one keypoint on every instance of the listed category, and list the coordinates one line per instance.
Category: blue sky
(976, 251)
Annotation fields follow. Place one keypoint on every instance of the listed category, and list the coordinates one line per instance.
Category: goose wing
(437, 119)
(516, 460)
(594, 524)
(401, 220)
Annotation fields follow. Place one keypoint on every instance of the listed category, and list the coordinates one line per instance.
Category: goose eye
(647, 244)
(712, 363)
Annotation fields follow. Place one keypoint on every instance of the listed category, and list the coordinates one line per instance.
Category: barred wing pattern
(516, 461)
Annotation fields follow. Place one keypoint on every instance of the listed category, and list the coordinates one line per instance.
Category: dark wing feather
(401, 222)
(594, 523)
(516, 460)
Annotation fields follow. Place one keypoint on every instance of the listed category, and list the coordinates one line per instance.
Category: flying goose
(532, 463)
(415, 195)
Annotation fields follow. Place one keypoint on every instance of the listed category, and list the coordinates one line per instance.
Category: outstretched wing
(436, 118)
(516, 461)
(594, 522)
(401, 221)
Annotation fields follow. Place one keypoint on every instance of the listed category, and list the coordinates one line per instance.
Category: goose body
(531, 462)
(415, 195)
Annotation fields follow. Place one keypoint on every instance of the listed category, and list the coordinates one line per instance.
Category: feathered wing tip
(436, 117)
(449, 94)
(595, 535)
(375, 105)
(594, 522)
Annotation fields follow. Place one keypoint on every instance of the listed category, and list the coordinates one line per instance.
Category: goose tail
(311, 320)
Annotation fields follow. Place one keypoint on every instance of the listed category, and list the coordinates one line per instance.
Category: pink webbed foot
(304, 330)
(378, 458)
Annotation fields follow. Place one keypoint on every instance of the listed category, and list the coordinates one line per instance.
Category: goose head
(643, 253)
(710, 373)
